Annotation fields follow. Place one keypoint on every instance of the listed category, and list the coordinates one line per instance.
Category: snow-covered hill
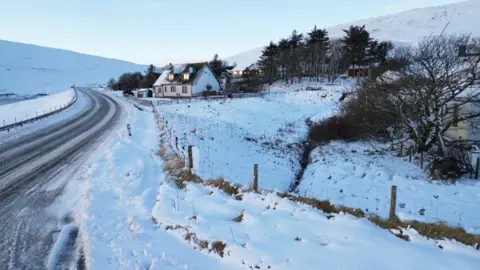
(407, 26)
(28, 69)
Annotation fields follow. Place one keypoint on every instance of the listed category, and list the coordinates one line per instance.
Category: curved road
(29, 164)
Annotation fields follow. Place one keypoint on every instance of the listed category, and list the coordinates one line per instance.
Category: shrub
(359, 118)
(334, 128)
(448, 168)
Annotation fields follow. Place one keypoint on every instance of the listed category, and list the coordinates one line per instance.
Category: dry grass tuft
(219, 248)
(239, 218)
(442, 230)
(325, 206)
(221, 184)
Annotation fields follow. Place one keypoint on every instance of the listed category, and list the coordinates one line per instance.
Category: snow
(120, 188)
(28, 109)
(276, 233)
(348, 174)
(234, 134)
(404, 27)
(128, 202)
(178, 68)
(163, 78)
(79, 106)
(28, 69)
(60, 245)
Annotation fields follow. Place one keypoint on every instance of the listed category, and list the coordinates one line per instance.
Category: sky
(163, 31)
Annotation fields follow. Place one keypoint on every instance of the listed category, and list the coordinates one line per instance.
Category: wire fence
(417, 199)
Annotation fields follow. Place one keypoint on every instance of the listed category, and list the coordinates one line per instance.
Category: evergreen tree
(268, 62)
(218, 66)
(284, 56)
(317, 46)
(296, 46)
(151, 75)
(356, 42)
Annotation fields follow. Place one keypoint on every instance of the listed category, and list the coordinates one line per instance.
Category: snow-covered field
(234, 134)
(27, 69)
(21, 111)
(349, 174)
(132, 217)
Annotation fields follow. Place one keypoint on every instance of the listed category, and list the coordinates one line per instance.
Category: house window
(186, 76)
(184, 89)
(171, 77)
(173, 89)
(165, 89)
(209, 87)
(455, 116)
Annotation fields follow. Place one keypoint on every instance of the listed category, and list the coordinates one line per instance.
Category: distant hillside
(408, 26)
(28, 69)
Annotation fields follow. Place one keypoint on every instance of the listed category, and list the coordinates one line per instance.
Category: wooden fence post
(393, 203)
(401, 149)
(255, 177)
(421, 160)
(176, 142)
(410, 156)
(190, 157)
(477, 167)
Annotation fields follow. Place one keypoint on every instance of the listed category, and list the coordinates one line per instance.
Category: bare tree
(430, 91)
(336, 61)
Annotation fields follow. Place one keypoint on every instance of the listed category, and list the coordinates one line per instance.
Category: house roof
(178, 71)
(163, 78)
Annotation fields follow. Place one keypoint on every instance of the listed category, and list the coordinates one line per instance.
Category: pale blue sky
(162, 31)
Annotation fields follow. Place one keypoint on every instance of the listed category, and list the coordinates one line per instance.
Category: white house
(186, 80)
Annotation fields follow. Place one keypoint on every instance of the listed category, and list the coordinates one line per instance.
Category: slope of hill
(406, 26)
(29, 69)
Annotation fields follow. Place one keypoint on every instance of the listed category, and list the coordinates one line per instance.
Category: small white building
(186, 80)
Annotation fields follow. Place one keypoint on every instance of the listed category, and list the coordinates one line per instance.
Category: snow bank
(60, 245)
(81, 104)
(32, 108)
(232, 135)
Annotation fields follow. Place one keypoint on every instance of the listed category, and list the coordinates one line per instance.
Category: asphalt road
(31, 163)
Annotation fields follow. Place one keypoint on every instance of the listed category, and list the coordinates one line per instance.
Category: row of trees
(417, 101)
(130, 81)
(316, 55)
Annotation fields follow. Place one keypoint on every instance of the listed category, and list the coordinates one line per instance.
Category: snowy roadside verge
(267, 230)
(19, 113)
(120, 184)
